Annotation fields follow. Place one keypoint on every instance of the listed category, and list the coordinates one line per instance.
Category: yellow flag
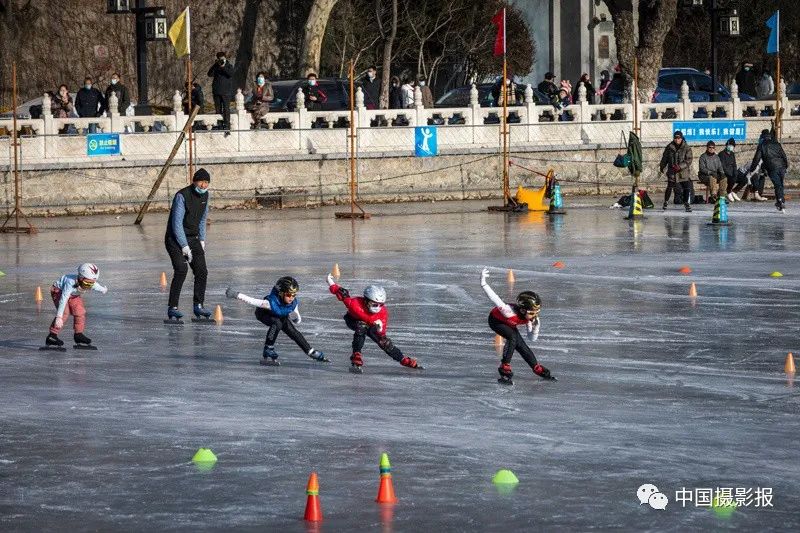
(179, 34)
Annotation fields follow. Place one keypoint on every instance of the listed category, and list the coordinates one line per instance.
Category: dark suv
(459, 97)
(286, 94)
(669, 87)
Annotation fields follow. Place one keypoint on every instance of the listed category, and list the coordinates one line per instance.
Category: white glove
(230, 293)
(533, 334)
(378, 324)
(187, 253)
(203, 245)
(330, 280)
(295, 318)
(59, 322)
(103, 290)
(484, 275)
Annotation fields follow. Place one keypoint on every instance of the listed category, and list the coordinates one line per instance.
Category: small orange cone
(163, 280)
(336, 273)
(37, 297)
(558, 264)
(218, 314)
(693, 290)
(789, 366)
(685, 270)
(386, 489)
(313, 508)
(510, 278)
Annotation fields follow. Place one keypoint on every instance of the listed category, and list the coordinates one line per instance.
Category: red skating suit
(357, 308)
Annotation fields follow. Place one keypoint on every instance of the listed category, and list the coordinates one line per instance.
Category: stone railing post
(177, 111)
(736, 103)
(242, 119)
(784, 99)
(113, 113)
(530, 111)
(585, 112)
(303, 123)
(362, 117)
(686, 107)
(475, 108)
(419, 108)
(48, 125)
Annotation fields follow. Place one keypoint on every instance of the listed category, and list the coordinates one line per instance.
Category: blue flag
(774, 24)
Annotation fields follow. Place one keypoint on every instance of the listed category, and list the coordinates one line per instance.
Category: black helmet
(287, 285)
(529, 301)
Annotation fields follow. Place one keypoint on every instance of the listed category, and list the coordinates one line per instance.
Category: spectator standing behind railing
(549, 87)
(677, 160)
(395, 94)
(315, 96)
(562, 104)
(605, 81)
(90, 102)
(746, 79)
(427, 95)
(711, 173)
(260, 99)
(62, 106)
(123, 97)
(766, 85)
(407, 90)
(222, 89)
(198, 99)
(590, 91)
(371, 87)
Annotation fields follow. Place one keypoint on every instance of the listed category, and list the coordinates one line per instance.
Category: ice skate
(318, 356)
(53, 343)
(543, 373)
(356, 363)
(505, 374)
(174, 317)
(411, 363)
(202, 315)
(270, 357)
(82, 342)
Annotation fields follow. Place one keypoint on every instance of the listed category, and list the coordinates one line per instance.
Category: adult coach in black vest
(186, 241)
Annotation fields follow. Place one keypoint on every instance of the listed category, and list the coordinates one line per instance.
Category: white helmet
(375, 293)
(89, 271)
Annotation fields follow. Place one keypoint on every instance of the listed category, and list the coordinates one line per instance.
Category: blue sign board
(102, 144)
(425, 141)
(702, 131)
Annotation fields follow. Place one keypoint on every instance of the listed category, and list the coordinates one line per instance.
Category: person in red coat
(504, 320)
(367, 316)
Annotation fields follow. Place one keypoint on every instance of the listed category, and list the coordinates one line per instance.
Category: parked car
(670, 81)
(30, 109)
(286, 94)
(459, 97)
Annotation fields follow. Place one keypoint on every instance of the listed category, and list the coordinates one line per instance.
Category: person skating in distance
(279, 311)
(504, 320)
(367, 316)
(66, 294)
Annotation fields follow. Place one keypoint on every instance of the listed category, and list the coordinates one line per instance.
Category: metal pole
(504, 90)
(142, 108)
(15, 143)
(778, 110)
(352, 145)
(635, 114)
(191, 135)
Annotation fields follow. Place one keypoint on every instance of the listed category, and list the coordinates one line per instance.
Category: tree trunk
(387, 60)
(314, 34)
(244, 55)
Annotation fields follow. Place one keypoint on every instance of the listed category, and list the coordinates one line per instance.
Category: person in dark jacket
(222, 89)
(746, 80)
(123, 98)
(549, 87)
(371, 87)
(89, 102)
(395, 94)
(315, 97)
(728, 159)
(185, 241)
(197, 99)
(771, 155)
(711, 174)
(677, 160)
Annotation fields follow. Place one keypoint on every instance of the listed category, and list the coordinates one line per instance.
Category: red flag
(499, 20)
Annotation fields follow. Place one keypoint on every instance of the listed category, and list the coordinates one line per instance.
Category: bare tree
(425, 20)
(314, 34)
(387, 52)
(244, 54)
(656, 18)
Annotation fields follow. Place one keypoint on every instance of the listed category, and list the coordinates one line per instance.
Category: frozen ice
(654, 387)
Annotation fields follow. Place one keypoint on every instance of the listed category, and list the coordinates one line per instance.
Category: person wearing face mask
(371, 87)
(90, 102)
(504, 320)
(260, 99)
(728, 159)
(123, 98)
(185, 241)
(746, 80)
(222, 89)
(395, 94)
(407, 91)
(676, 161)
(711, 174)
(315, 96)
(367, 316)
(605, 81)
(427, 95)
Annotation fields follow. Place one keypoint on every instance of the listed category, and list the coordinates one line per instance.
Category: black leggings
(514, 341)
(281, 323)
(362, 331)
(180, 267)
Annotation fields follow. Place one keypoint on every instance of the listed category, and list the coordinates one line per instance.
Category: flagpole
(505, 92)
(190, 86)
(778, 110)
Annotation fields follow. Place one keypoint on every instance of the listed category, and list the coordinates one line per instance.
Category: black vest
(195, 208)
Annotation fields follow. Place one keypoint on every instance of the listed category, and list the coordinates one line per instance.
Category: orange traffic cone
(558, 264)
(386, 489)
(788, 367)
(685, 270)
(510, 278)
(163, 280)
(218, 314)
(37, 297)
(693, 290)
(336, 273)
(313, 508)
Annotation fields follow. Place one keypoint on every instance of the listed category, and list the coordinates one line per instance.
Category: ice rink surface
(654, 387)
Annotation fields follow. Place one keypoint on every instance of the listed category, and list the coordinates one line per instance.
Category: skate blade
(198, 320)
(356, 370)
(173, 322)
(84, 347)
(270, 362)
(502, 381)
(52, 349)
